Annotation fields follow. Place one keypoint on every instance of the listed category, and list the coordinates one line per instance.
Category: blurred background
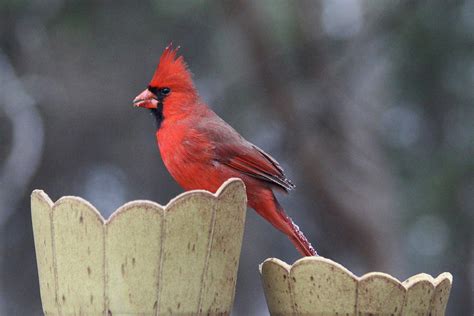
(368, 105)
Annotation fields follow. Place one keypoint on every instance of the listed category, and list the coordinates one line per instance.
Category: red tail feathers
(296, 236)
(300, 241)
(269, 208)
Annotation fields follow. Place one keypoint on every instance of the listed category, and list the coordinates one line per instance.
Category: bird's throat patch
(158, 114)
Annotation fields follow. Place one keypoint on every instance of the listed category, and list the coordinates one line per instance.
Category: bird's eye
(165, 91)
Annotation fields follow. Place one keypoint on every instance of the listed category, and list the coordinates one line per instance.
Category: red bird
(201, 151)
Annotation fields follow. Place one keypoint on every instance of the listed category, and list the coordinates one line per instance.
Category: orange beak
(146, 99)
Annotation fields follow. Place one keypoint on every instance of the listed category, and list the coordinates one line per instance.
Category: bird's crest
(172, 70)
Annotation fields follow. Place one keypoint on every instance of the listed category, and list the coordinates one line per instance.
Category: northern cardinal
(201, 151)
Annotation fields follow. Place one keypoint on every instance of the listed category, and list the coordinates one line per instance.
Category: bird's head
(171, 84)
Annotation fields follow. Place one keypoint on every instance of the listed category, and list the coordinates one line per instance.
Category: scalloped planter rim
(319, 286)
(145, 259)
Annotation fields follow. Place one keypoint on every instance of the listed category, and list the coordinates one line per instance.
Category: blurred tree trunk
(19, 110)
(339, 160)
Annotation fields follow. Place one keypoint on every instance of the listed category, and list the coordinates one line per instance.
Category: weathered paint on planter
(145, 259)
(319, 286)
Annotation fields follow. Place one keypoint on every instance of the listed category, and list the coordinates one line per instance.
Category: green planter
(145, 259)
(319, 286)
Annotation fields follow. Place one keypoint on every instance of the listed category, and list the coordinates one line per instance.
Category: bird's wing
(256, 163)
(234, 151)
